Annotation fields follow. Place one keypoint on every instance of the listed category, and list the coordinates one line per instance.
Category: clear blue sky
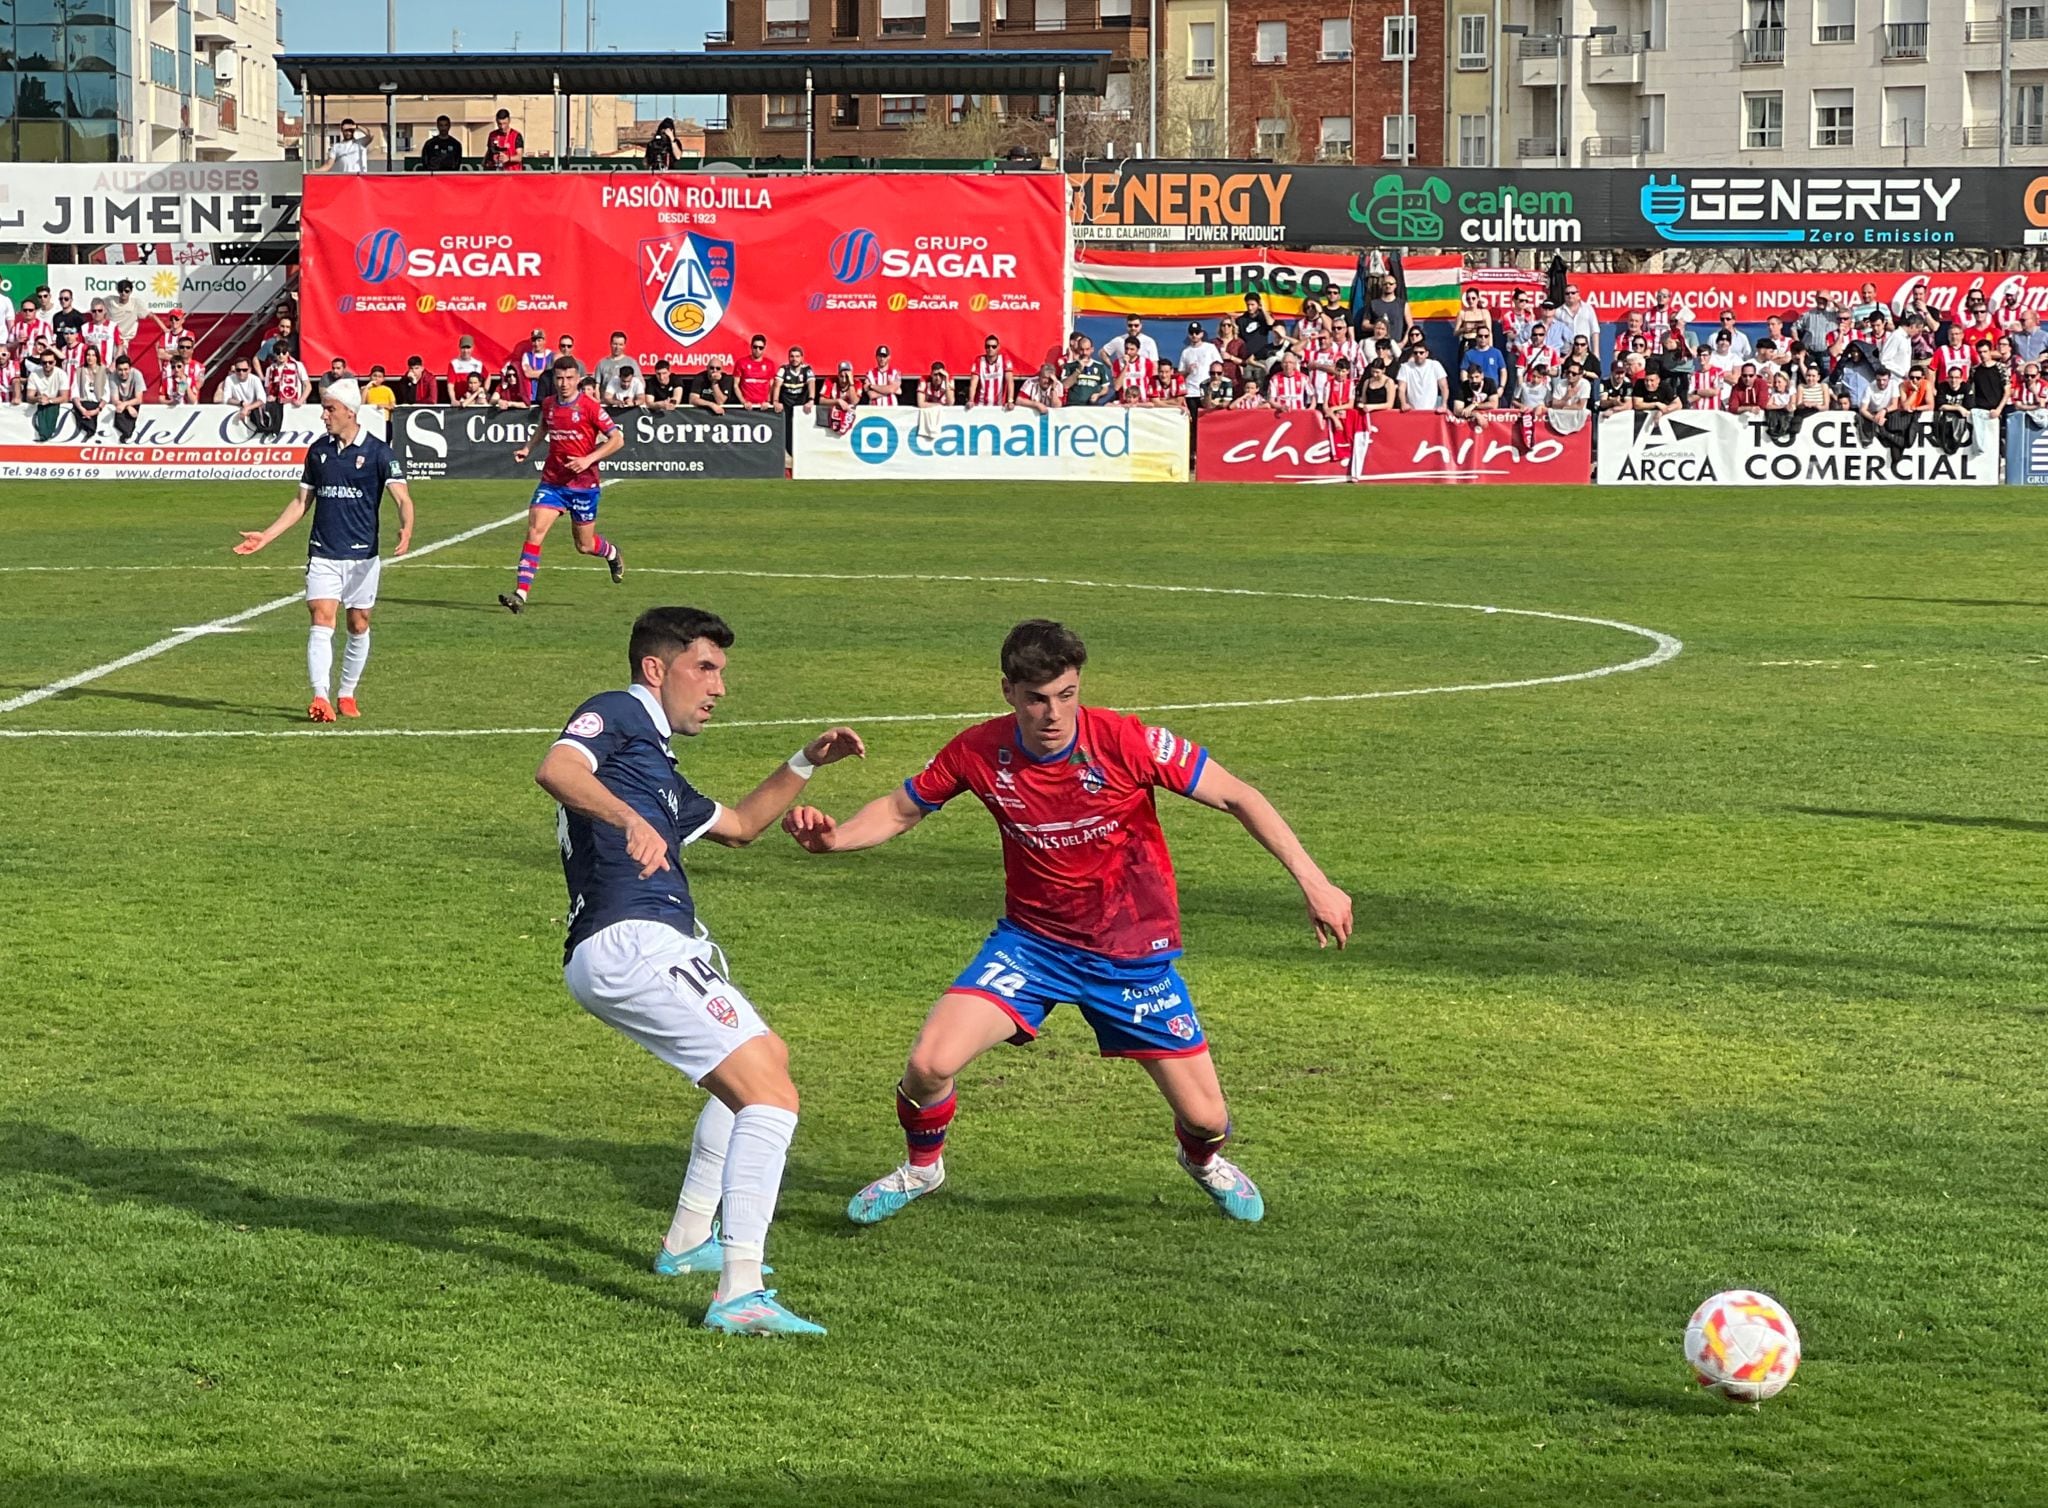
(534, 25)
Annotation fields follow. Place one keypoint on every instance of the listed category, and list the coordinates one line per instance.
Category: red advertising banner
(1259, 445)
(926, 264)
(1754, 296)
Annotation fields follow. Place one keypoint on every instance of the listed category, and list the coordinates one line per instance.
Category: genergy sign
(1198, 204)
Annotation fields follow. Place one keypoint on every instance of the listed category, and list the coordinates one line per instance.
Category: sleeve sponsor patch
(1166, 745)
(585, 725)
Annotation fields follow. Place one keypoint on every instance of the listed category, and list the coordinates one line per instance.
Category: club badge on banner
(997, 444)
(1711, 448)
(1258, 445)
(926, 264)
(199, 443)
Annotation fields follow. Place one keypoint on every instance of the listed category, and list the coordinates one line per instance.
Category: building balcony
(226, 112)
(213, 20)
(786, 31)
(1539, 63)
(717, 39)
(1904, 41)
(2029, 44)
(1613, 146)
(1067, 22)
(1536, 148)
(1616, 60)
(2024, 134)
(1763, 46)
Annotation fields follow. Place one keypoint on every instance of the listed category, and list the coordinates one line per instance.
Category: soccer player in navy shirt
(1092, 913)
(638, 959)
(348, 470)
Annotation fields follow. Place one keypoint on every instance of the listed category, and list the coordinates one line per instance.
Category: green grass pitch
(315, 1187)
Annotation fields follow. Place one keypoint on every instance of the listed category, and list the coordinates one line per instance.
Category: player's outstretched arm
(1329, 908)
(565, 774)
(293, 510)
(881, 819)
(401, 494)
(737, 826)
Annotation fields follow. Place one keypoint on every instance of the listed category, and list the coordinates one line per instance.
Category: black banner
(465, 443)
(1469, 208)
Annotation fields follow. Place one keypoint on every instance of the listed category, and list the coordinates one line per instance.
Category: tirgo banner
(923, 263)
(1259, 445)
(1710, 448)
(195, 443)
(1109, 444)
(437, 442)
(1272, 204)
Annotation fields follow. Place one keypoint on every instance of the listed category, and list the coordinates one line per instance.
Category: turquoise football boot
(757, 1313)
(703, 1257)
(885, 1196)
(1225, 1182)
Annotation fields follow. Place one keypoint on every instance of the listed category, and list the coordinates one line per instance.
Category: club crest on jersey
(585, 725)
(686, 284)
(359, 463)
(1182, 1027)
(1093, 780)
(720, 1010)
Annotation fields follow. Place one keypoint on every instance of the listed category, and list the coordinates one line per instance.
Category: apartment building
(1336, 80)
(1773, 83)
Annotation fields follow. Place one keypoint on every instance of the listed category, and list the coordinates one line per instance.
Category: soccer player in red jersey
(1092, 915)
(580, 434)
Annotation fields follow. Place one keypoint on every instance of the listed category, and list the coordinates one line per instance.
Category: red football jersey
(757, 379)
(1084, 859)
(574, 428)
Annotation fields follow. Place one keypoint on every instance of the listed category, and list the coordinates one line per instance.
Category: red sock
(1199, 1149)
(924, 1126)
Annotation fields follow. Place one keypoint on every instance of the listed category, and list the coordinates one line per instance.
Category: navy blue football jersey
(347, 482)
(625, 737)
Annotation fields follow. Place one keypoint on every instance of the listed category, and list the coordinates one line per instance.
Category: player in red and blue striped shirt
(1092, 917)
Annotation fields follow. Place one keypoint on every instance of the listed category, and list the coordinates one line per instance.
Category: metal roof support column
(810, 120)
(560, 104)
(1060, 130)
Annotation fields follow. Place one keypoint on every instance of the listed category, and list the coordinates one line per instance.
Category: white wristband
(801, 767)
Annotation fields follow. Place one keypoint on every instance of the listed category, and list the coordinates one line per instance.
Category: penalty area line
(227, 624)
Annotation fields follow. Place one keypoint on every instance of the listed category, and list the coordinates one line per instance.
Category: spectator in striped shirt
(936, 390)
(1288, 390)
(993, 386)
(1043, 392)
(883, 385)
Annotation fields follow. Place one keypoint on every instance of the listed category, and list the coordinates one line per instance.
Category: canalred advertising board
(923, 263)
(1259, 445)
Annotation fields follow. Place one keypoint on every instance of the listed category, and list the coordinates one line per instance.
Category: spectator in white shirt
(623, 387)
(463, 363)
(350, 152)
(1738, 343)
(6, 310)
(243, 390)
(1423, 384)
(1197, 357)
(125, 310)
(1579, 314)
(1895, 352)
(1134, 330)
(46, 391)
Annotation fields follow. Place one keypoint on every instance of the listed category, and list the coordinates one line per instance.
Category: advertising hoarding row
(437, 443)
(1258, 445)
(1696, 448)
(686, 266)
(195, 443)
(1110, 444)
(96, 204)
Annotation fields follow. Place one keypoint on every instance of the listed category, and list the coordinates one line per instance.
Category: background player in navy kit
(347, 472)
(638, 959)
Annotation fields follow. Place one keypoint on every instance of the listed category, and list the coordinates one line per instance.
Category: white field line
(223, 625)
(1665, 647)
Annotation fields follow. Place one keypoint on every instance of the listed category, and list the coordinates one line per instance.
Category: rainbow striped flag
(1202, 285)
(1435, 286)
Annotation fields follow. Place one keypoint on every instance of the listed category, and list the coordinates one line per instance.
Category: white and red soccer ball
(1742, 1345)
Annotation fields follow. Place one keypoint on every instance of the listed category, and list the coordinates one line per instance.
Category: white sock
(753, 1177)
(320, 658)
(703, 1180)
(355, 654)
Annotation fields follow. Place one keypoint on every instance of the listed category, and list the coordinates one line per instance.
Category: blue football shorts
(1139, 1009)
(579, 502)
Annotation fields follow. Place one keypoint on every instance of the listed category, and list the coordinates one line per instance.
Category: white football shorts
(352, 583)
(666, 991)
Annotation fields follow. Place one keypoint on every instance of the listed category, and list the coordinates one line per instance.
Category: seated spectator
(1812, 394)
(1919, 389)
(463, 363)
(379, 394)
(125, 396)
(416, 384)
(1087, 378)
(441, 152)
(510, 388)
(1476, 394)
(587, 383)
(1376, 390)
(936, 390)
(45, 392)
(1166, 387)
(473, 393)
(847, 393)
(1880, 398)
(624, 388)
(665, 390)
(1041, 392)
(1747, 394)
(1648, 395)
(1135, 373)
(1781, 396)
(714, 388)
(1221, 391)
(242, 390)
(2029, 391)
(184, 376)
(285, 379)
(91, 390)
(1287, 390)
(1618, 395)
(1953, 394)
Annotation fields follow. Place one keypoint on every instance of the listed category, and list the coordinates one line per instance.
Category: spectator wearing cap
(847, 392)
(464, 364)
(756, 375)
(416, 384)
(350, 152)
(536, 362)
(505, 148)
(713, 388)
(441, 152)
(883, 384)
(1197, 359)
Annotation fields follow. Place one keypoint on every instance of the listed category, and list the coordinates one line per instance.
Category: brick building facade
(1320, 80)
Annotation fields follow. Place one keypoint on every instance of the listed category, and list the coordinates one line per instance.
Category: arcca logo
(1402, 215)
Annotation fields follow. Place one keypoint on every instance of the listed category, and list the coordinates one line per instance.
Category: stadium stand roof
(1010, 71)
